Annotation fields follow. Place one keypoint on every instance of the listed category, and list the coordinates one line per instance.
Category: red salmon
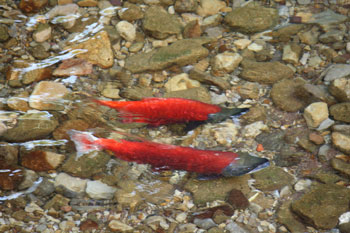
(163, 156)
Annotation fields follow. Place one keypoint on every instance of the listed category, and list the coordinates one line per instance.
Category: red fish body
(157, 111)
(170, 157)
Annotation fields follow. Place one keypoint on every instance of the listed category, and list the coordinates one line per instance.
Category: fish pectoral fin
(159, 169)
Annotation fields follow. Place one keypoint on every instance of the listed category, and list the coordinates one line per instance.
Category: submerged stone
(341, 112)
(181, 53)
(219, 189)
(252, 18)
(322, 205)
(286, 217)
(265, 72)
(31, 126)
(86, 165)
(284, 96)
(97, 50)
(272, 178)
(160, 24)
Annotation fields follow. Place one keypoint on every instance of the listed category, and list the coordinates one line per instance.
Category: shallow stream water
(287, 61)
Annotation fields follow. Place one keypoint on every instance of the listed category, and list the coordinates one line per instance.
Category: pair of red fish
(157, 111)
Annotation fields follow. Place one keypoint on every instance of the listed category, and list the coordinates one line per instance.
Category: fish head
(226, 113)
(244, 164)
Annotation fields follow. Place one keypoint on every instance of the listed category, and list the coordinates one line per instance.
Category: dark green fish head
(226, 113)
(244, 164)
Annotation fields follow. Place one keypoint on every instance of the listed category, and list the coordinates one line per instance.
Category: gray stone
(327, 19)
(322, 205)
(340, 89)
(272, 140)
(31, 126)
(341, 112)
(319, 92)
(252, 18)
(341, 166)
(86, 165)
(233, 227)
(72, 186)
(287, 157)
(344, 129)
(182, 52)
(304, 2)
(336, 71)
(218, 188)
(208, 79)
(283, 94)
(99, 190)
(332, 36)
(4, 35)
(160, 24)
(286, 217)
(45, 188)
(204, 223)
(272, 178)
(265, 72)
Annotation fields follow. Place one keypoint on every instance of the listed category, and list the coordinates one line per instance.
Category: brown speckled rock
(265, 72)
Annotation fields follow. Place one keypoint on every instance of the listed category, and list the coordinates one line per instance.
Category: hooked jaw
(244, 164)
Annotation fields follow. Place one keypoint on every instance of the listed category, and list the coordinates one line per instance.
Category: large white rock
(180, 82)
(98, 190)
(226, 62)
(47, 95)
(315, 114)
(118, 226)
(210, 7)
(126, 30)
(73, 184)
(341, 141)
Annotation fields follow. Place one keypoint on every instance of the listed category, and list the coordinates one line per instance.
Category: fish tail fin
(84, 142)
(111, 104)
(245, 163)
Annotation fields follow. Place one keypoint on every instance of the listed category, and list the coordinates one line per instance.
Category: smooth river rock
(160, 24)
(322, 205)
(97, 50)
(252, 18)
(31, 126)
(182, 52)
(341, 112)
(265, 72)
(283, 94)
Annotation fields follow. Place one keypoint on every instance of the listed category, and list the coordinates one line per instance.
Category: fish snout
(244, 164)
